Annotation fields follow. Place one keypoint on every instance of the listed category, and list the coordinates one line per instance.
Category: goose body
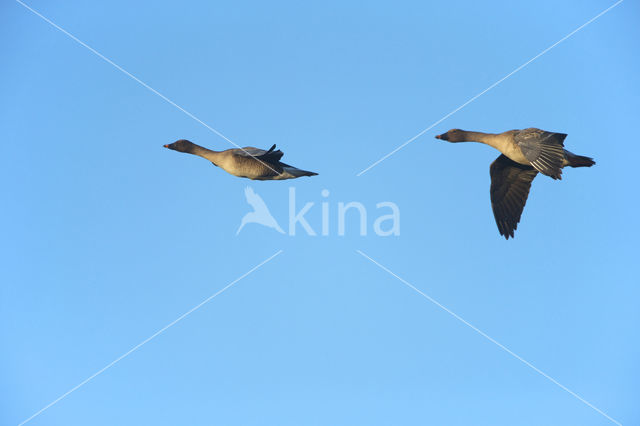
(525, 153)
(249, 162)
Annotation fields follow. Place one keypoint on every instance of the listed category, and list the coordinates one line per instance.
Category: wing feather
(544, 150)
(268, 159)
(510, 184)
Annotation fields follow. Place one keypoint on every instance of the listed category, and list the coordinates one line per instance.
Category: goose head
(453, 135)
(181, 145)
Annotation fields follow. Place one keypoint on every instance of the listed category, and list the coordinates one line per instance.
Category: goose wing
(510, 184)
(270, 158)
(544, 150)
(250, 151)
(272, 155)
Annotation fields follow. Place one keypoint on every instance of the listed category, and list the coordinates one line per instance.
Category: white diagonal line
(128, 74)
(136, 347)
(489, 88)
(486, 336)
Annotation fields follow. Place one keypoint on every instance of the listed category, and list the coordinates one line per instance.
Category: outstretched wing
(510, 184)
(544, 150)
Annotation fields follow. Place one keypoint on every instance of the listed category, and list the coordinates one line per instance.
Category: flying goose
(248, 162)
(524, 154)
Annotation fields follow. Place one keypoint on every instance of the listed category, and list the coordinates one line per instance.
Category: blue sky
(108, 237)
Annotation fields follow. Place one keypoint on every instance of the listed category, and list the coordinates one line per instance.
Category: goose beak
(443, 137)
(437, 137)
(166, 146)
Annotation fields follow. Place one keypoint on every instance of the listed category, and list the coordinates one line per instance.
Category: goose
(525, 153)
(249, 162)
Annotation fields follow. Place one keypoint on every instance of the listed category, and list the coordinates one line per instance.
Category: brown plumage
(248, 162)
(525, 153)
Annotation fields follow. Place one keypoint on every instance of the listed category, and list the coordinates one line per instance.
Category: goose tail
(579, 160)
(299, 172)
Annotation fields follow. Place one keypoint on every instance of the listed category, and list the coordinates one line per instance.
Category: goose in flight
(260, 213)
(248, 162)
(525, 153)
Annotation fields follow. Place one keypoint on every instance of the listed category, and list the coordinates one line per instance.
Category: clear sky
(107, 237)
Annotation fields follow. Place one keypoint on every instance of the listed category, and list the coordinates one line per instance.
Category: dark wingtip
(505, 230)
